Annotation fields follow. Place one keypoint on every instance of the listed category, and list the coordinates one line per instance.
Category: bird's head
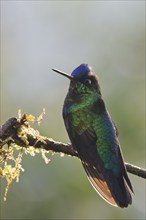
(83, 81)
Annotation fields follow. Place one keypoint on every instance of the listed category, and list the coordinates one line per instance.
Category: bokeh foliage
(37, 36)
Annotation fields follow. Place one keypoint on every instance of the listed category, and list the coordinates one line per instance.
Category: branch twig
(11, 132)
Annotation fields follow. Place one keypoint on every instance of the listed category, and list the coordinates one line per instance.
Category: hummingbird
(94, 136)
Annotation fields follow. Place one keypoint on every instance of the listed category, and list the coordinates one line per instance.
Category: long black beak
(63, 74)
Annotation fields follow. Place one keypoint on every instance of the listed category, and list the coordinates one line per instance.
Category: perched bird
(94, 136)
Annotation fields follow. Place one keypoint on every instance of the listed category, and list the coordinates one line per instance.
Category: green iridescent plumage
(94, 136)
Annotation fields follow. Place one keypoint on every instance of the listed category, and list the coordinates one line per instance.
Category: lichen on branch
(18, 138)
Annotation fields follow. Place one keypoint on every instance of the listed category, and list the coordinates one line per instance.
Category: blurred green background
(39, 35)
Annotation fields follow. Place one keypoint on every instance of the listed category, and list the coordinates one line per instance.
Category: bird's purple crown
(81, 70)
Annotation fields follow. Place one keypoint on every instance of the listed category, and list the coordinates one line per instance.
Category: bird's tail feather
(111, 188)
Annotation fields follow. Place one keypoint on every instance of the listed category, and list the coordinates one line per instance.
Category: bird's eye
(88, 82)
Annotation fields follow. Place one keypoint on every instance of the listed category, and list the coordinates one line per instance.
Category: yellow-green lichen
(11, 154)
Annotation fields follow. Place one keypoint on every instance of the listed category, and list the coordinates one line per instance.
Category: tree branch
(19, 132)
